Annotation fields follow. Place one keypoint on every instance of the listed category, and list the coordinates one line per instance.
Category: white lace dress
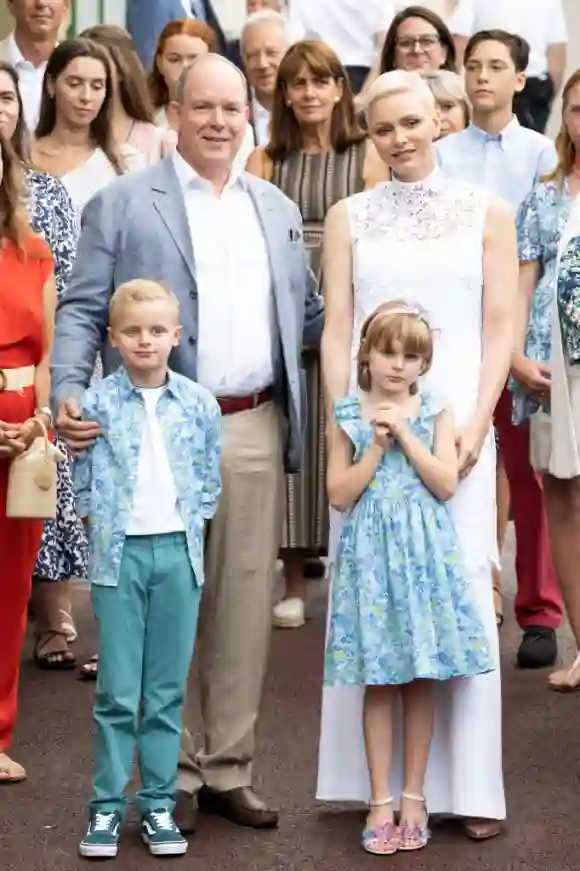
(423, 243)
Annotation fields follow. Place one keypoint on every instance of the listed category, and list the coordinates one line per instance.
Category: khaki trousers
(236, 607)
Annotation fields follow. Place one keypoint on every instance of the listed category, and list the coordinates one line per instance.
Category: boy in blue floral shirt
(146, 486)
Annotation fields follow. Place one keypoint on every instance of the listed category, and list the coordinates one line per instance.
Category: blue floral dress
(541, 220)
(400, 607)
(63, 553)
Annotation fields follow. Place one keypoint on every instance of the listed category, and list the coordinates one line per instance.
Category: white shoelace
(103, 822)
(163, 820)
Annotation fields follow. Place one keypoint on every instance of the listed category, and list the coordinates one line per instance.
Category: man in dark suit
(147, 18)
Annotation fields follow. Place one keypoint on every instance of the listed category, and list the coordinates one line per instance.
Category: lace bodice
(423, 243)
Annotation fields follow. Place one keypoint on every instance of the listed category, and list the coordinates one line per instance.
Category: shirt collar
(503, 138)
(16, 57)
(189, 179)
(258, 110)
(127, 388)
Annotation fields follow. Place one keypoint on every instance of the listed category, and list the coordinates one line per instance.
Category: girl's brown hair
(183, 27)
(100, 129)
(323, 63)
(14, 223)
(445, 38)
(565, 148)
(390, 323)
(133, 89)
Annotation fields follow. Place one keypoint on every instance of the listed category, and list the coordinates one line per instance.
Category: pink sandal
(383, 840)
(416, 836)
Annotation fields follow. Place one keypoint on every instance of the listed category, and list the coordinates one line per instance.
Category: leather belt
(235, 404)
(14, 380)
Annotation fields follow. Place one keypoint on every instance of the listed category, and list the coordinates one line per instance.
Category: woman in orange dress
(27, 305)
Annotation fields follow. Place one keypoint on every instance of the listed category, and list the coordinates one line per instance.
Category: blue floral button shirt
(106, 474)
(542, 217)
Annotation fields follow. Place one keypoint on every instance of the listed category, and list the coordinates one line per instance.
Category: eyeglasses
(408, 43)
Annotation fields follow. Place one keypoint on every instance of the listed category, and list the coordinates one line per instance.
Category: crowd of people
(311, 296)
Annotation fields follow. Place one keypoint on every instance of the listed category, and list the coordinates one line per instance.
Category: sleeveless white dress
(423, 243)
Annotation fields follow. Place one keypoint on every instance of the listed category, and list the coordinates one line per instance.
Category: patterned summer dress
(401, 607)
(63, 553)
(315, 182)
(542, 218)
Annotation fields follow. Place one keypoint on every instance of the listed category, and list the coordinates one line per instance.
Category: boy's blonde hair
(390, 323)
(141, 290)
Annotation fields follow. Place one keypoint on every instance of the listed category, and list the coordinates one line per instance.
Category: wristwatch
(46, 411)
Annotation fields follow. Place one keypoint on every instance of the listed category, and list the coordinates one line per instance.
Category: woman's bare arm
(42, 375)
(500, 288)
(338, 303)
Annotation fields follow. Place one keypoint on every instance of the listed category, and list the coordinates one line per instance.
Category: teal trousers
(147, 627)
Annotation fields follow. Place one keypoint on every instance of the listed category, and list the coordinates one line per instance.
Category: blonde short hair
(448, 86)
(141, 290)
(390, 323)
(399, 82)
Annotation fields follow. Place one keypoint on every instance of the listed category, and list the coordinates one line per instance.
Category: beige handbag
(32, 480)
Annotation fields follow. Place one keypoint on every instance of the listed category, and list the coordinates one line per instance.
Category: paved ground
(41, 820)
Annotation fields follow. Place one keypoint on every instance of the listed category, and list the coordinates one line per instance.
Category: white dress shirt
(262, 118)
(155, 509)
(29, 82)
(541, 22)
(236, 320)
(350, 27)
(507, 164)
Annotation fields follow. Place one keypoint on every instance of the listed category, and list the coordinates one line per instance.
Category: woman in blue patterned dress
(401, 615)
(542, 219)
(63, 552)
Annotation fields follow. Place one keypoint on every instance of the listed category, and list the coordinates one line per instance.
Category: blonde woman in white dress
(451, 249)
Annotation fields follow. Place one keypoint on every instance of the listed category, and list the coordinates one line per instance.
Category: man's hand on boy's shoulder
(78, 434)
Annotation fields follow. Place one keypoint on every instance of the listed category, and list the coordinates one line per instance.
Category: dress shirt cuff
(64, 393)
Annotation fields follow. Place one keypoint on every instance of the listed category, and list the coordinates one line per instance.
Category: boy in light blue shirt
(146, 486)
(495, 152)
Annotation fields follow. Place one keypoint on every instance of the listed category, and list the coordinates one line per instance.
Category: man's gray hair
(268, 16)
(181, 86)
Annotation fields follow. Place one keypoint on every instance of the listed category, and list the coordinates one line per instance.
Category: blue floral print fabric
(400, 606)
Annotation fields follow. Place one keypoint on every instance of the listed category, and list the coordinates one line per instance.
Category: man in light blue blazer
(230, 247)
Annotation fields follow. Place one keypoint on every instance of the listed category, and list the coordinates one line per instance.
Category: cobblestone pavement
(42, 819)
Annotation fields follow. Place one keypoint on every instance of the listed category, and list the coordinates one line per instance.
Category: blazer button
(192, 340)
(193, 294)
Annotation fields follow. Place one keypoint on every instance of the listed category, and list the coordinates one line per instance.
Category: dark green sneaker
(161, 835)
(102, 838)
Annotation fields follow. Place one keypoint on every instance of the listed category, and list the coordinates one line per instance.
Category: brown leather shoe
(240, 806)
(185, 812)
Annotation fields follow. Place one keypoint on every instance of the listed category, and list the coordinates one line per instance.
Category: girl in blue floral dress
(401, 613)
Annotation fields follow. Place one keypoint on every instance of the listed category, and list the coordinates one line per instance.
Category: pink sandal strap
(381, 841)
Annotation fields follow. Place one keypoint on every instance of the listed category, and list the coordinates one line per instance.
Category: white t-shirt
(541, 22)
(350, 27)
(155, 510)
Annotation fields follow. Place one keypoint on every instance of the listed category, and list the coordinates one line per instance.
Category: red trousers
(538, 600)
(19, 544)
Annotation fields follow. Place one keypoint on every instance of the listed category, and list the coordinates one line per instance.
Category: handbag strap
(44, 431)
